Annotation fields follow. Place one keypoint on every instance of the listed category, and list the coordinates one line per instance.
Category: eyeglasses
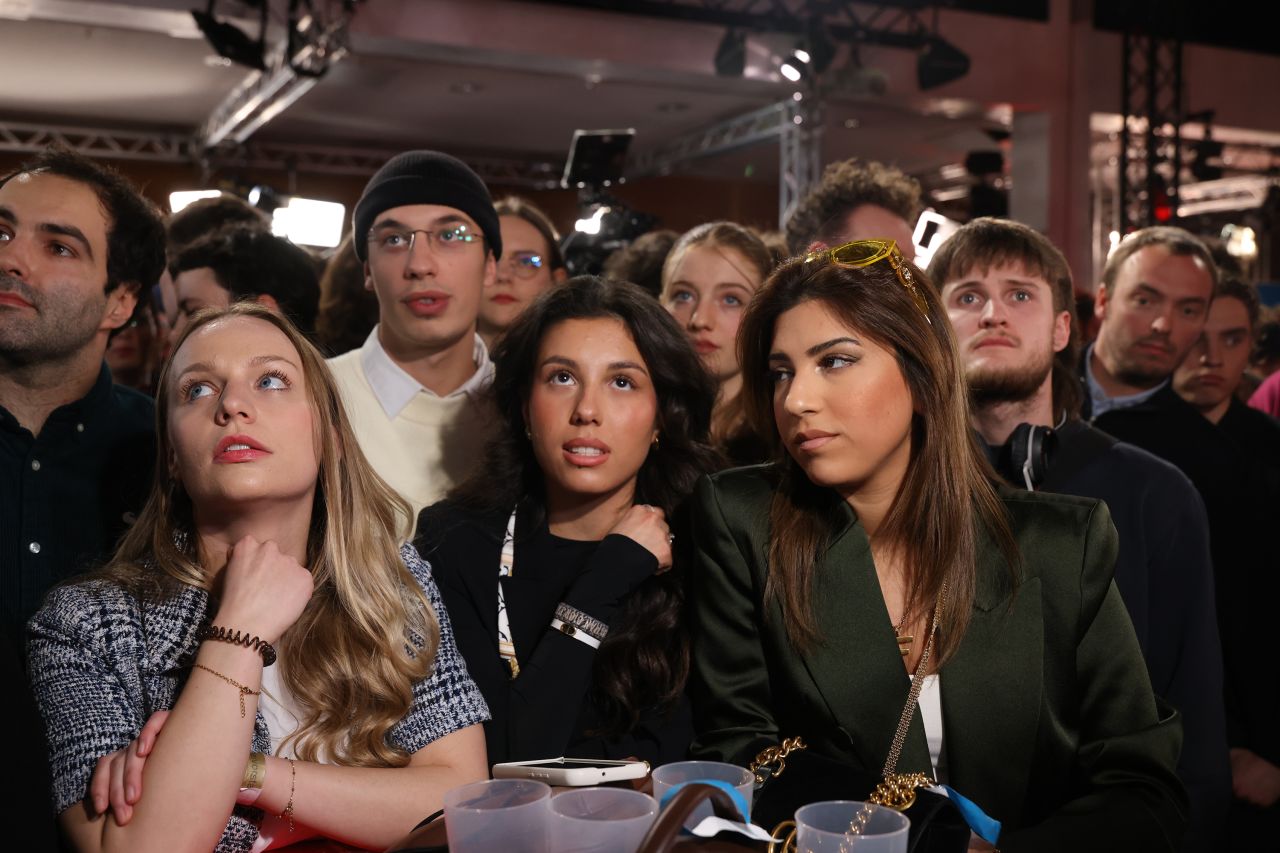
(400, 241)
(864, 253)
(525, 264)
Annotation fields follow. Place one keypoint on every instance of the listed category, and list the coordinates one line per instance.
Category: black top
(1165, 577)
(548, 710)
(68, 494)
(1253, 685)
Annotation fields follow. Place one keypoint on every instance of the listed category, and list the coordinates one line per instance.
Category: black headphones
(1024, 459)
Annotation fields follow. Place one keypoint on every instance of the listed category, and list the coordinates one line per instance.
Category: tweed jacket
(1049, 720)
(102, 662)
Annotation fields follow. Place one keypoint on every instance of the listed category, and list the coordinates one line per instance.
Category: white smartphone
(572, 772)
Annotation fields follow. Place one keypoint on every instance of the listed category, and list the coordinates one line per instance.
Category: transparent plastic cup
(824, 828)
(511, 815)
(668, 776)
(600, 820)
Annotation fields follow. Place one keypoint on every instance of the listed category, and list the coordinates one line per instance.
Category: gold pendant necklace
(904, 640)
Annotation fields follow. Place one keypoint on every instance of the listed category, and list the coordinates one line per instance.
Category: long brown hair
(946, 500)
(368, 634)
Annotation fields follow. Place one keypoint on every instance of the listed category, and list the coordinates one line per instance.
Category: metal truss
(308, 159)
(1150, 163)
(361, 162)
(115, 144)
(796, 125)
(762, 125)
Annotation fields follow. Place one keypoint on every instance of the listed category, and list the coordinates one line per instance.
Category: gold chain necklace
(904, 640)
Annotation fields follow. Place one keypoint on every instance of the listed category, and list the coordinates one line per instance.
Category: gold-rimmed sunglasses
(864, 253)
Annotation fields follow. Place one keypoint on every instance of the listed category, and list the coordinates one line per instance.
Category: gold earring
(655, 441)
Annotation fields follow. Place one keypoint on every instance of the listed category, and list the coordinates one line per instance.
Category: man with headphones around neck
(1008, 293)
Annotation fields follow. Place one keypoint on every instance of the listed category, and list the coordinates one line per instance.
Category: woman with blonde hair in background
(266, 530)
(708, 278)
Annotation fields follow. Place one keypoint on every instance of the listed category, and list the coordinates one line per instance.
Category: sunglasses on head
(864, 253)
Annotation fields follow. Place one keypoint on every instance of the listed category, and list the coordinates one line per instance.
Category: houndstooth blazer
(102, 663)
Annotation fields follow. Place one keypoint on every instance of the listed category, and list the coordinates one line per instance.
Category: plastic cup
(824, 828)
(668, 776)
(511, 815)
(600, 820)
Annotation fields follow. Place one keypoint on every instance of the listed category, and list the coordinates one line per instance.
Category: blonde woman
(708, 278)
(344, 710)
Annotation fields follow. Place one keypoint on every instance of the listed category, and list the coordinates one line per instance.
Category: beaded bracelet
(226, 635)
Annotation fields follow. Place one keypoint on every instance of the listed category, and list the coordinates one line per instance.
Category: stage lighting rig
(940, 62)
(731, 54)
(232, 42)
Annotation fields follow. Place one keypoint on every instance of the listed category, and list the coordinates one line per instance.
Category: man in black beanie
(428, 236)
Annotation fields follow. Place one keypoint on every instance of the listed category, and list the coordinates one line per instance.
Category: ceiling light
(182, 198)
(790, 71)
(731, 54)
(309, 222)
(265, 198)
(802, 55)
(939, 63)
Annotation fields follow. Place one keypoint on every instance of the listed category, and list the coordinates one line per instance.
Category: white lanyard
(506, 564)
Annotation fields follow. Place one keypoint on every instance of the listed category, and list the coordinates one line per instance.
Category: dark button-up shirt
(67, 494)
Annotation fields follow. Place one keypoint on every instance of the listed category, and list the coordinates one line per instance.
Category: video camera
(605, 224)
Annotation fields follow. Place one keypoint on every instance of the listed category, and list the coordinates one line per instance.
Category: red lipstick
(239, 448)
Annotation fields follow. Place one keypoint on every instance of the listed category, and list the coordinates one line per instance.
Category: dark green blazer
(1049, 721)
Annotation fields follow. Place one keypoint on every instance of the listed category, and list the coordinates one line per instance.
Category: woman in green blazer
(877, 553)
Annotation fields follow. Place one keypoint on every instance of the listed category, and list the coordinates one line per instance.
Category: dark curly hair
(206, 215)
(135, 226)
(249, 262)
(845, 186)
(645, 659)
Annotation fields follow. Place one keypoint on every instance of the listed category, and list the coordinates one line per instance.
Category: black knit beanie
(425, 177)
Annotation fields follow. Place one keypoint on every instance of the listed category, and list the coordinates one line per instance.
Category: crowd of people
(292, 548)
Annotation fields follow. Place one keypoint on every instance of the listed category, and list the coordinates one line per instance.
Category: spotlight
(731, 55)
(940, 62)
(818, 47)
(230, 41)
(265, 198)
(791, 71)
(309, 222)
(181, 198)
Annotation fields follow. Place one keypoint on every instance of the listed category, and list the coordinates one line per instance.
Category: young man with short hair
(857, 201)
(1207, 379)
(1008, 293)
(426, 230)
(78, 247)
(242, 262)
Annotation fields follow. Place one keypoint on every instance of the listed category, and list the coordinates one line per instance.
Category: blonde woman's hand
(117, 780)
(264, 590)
(647, 526)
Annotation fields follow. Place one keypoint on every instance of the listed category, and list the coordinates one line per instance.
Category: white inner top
(931, 715)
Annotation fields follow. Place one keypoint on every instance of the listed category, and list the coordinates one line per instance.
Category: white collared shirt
(1099, 402)
(395, 388)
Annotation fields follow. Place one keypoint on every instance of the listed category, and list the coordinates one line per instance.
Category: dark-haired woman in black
(558, 562)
